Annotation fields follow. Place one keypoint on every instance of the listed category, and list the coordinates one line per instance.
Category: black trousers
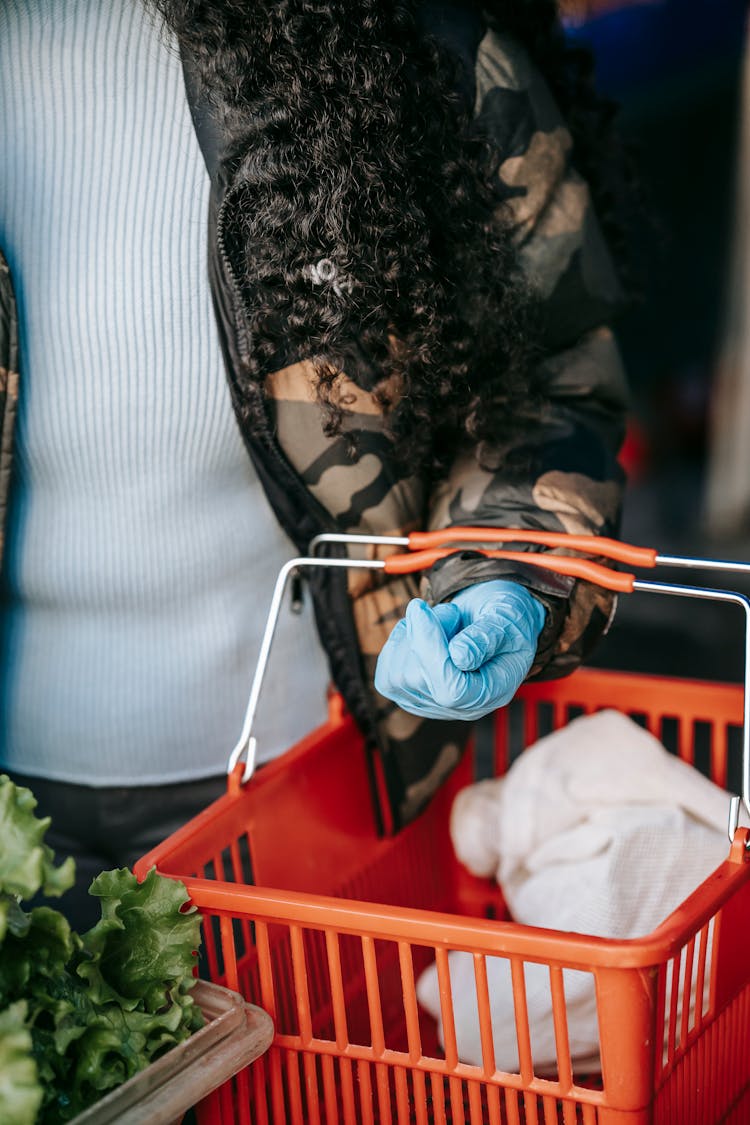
(110, 827)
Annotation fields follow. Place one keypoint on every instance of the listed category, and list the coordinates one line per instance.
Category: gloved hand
(464, 658)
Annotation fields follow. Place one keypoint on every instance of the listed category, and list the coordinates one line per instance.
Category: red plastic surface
(332, 937)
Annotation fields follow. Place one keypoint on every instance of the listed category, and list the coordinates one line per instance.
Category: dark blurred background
(675, 68)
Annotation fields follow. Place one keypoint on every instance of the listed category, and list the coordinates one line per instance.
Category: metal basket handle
(423, 548)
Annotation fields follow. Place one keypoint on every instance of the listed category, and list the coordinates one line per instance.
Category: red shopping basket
(311, 914)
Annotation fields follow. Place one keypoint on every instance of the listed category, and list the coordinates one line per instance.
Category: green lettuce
(26, 862)
(80, 1014)
(20, 1092)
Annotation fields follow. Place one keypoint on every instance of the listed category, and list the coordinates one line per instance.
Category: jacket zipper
(241, 342)
(325, 521)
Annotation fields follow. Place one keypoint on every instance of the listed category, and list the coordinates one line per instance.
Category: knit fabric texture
(142, 550)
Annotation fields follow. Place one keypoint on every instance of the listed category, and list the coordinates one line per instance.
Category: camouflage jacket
(314, 484)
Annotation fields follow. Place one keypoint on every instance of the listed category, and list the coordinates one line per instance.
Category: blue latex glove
(464, 658)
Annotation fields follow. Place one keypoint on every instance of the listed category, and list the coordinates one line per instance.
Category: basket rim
(421, 926)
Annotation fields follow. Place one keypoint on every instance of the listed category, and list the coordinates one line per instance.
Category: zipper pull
(296, 593)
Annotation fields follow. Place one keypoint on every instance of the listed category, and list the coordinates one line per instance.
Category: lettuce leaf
(80, 1015)
(144, 946)
(34, 955)
(26, 862)
(20, 1091)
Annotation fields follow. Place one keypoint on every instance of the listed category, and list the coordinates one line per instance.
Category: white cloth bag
(596, 829)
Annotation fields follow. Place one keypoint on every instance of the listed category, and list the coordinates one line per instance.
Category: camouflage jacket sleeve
(570, 480)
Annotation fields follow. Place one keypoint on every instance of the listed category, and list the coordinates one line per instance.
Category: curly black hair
(369, 207)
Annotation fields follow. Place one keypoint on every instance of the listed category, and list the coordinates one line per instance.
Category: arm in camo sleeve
(571, 481)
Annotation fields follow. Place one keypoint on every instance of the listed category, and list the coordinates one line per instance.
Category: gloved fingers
(414, 663)
(499, 680)
(500, 617)
(417, 670)
(433, 673)
(479, 642)
(399, 668)
(490, 635)
(450, 618)
(436, 687)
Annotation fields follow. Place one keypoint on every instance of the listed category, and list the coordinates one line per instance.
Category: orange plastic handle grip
(593, 544)
(560, 564)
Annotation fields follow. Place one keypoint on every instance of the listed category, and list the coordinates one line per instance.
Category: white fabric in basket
(595, 829)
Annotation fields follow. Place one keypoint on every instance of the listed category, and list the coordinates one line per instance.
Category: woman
(411, 291)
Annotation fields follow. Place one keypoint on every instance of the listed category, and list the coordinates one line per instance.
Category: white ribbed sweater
(142, 550)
